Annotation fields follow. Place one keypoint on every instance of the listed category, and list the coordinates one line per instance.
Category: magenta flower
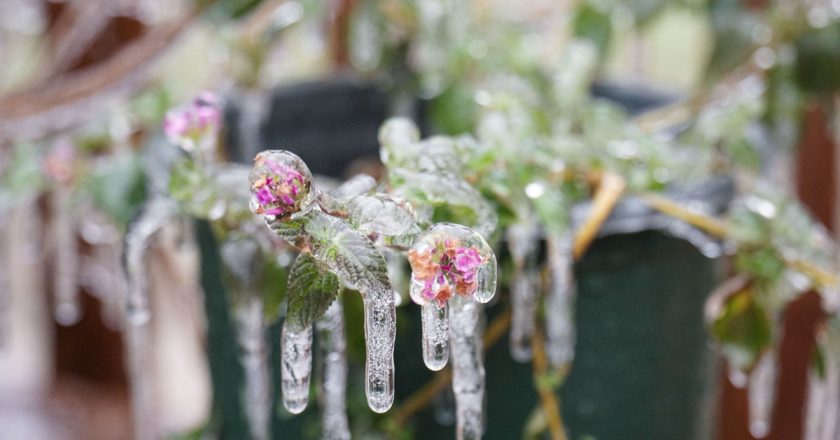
(189, 124)
(278, 188)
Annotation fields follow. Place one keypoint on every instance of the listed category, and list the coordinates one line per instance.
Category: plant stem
(550, 406)
(669, 207)
(609, 191)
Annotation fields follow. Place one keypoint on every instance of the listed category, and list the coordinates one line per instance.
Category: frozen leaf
(381, 214)
(311, 291)
(355, 186)
(743, 329)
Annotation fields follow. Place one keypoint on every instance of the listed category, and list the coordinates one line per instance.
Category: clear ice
(467, 366)
(156, 213)
(380, 331)
(761, 394)
(522, 243)
(296, 371)
(67, 309)
(435, 325)
(253, 357)
(559, 300)
(822, 409)
(332, 346)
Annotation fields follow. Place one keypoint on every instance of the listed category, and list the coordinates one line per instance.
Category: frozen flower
(445, 267)
(277, 187)
(194, 122)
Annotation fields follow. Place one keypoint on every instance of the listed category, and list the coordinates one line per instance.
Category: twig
(609, 190)
(666, 206)
(550, 406)
(423, 396)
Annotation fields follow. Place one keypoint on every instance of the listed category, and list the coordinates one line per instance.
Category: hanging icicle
(761, 393)
(822, 409)
(454, 268)
(333, 387)
(137, 338)
(559, 301)
(523, 241)
(296, 371)
(435, 328)
(67, 308)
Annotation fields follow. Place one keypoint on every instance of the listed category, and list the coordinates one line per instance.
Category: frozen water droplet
(380, 331)
(762, 394)
(332, 343)
(435, 324)
(559, 301)
(296, 358)
(467, 366)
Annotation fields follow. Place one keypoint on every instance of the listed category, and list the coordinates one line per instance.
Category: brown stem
(550, 406)
(609, 191)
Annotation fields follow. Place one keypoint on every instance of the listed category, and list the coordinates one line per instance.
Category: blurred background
(319, 76)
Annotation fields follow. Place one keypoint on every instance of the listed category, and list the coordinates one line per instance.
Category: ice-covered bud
(193, 124)
(280, 184)
(451, 259)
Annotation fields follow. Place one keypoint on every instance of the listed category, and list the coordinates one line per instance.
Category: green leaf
(311, 291)
(744, 329)
(346, 252)
(594, 23)
(119, 187)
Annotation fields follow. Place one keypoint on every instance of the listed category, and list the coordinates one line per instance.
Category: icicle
(332, 344)
(523, 301)
(137, 239)
(736, 376)
(822, 409)
(296, 371)
(468, 367)
(380, 331)
(559, 302)
(522, 243)
(250, 334)
(762, 394)
(67, 309)
(435, 324)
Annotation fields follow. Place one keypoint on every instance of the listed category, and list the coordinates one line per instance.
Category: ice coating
(451, 260)
(435, 326)
(397, 137)
(523, 301)
(67, 309)
(468, 367)
(191, 125)
(761, 393)
(822, 409)
(280, 184)
(250, 335)
(559, 300)
(296, 368)
(380, 332)
(137, 338)
(332, 346)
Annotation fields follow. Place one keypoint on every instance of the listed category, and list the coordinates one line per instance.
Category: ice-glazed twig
(296, 371)
(155, 214)
(67, 309)
(559, 300)
(380, 332)
(332, 346)
(761, 392)
(467, 368)
(250, 334)
(435, 326)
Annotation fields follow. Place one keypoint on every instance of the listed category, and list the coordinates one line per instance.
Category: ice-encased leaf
(355, 186)
(311, 291)
(451, 197)
(381, 214)
(346, 252)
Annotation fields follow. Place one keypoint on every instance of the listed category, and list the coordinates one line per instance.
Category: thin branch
(548, 400)
(669, 207)
(609, 191)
